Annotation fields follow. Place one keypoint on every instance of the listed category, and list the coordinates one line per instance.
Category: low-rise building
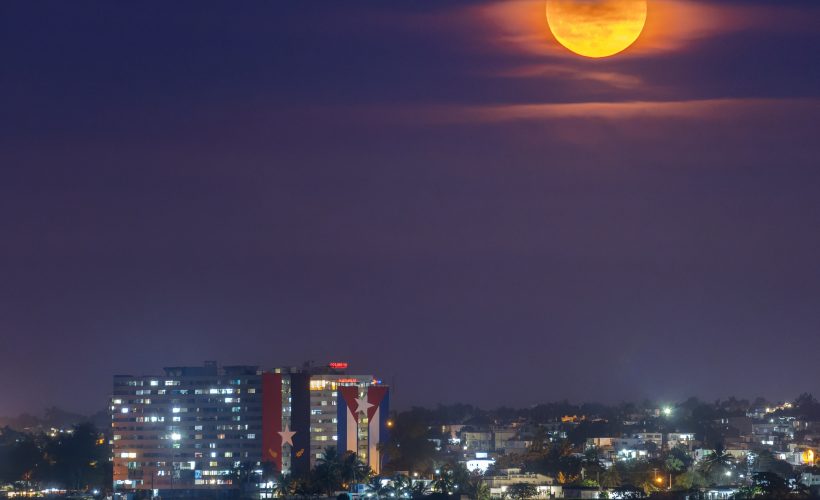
(810, 479)
(685, 439)
(500, 482)
(655, 438)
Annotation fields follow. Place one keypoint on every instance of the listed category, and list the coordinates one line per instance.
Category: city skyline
(436, 192)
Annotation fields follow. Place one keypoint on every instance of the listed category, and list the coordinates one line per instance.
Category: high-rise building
(193, 427)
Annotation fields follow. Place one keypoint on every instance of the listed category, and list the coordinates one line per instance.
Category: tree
(400, 485)
(378, 488)
(336, 471)
(23, 461)
(244, 474)
(522, 491)
(770, 485)
(419, 490)
(444, 482)
(540, 441)
(77, 460)
(765, 461)
(717, 464)
(354, 470)
(611, 478)
(408, 447)
(678, 459)
(477, 489)
(690, 479)
(328, 471)
(285, 485)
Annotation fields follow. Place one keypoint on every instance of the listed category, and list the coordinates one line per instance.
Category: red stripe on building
(272, 418)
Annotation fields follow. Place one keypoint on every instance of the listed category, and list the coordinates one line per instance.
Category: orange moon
(596, 28)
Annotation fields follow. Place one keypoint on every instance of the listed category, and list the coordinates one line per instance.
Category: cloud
(714, 109)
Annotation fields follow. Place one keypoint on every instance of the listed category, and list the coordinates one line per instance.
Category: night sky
(433, 191)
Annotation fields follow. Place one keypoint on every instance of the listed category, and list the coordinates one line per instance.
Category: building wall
(188, 428)
(193, 426)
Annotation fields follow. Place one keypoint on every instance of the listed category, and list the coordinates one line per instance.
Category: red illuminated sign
(338, 365)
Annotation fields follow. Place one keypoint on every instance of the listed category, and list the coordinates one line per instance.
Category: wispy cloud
(689, 109)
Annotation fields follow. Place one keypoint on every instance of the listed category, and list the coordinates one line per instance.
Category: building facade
(187, 427)
(194, 427)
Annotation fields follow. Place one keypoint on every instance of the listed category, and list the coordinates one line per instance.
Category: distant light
(667, 411)
(176, 436)
(124, 410)
(728, 473)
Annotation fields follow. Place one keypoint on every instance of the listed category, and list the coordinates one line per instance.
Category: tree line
(77, 459)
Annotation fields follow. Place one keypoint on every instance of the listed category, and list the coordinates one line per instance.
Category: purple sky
(432, 191)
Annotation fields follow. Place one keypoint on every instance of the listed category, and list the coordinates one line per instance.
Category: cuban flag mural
(378, 411)
(272, 419)
(352, 410)
(347, 414)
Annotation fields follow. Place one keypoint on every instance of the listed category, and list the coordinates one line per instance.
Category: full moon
(596, 28)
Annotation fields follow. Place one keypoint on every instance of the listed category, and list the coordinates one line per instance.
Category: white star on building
(287, 436)
(362, 406)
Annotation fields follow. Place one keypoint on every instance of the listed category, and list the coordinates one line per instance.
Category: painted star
(287, 436)
(362, 406)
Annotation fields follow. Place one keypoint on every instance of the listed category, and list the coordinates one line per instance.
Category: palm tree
(443, 483)
(401, 486)
(284, 485)
(244, 474)
(377, 488)
(354, 470)
(328, 471)
(717, 464)
(419, 489)
(476, 488)
(611, 478)
(336, 471)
